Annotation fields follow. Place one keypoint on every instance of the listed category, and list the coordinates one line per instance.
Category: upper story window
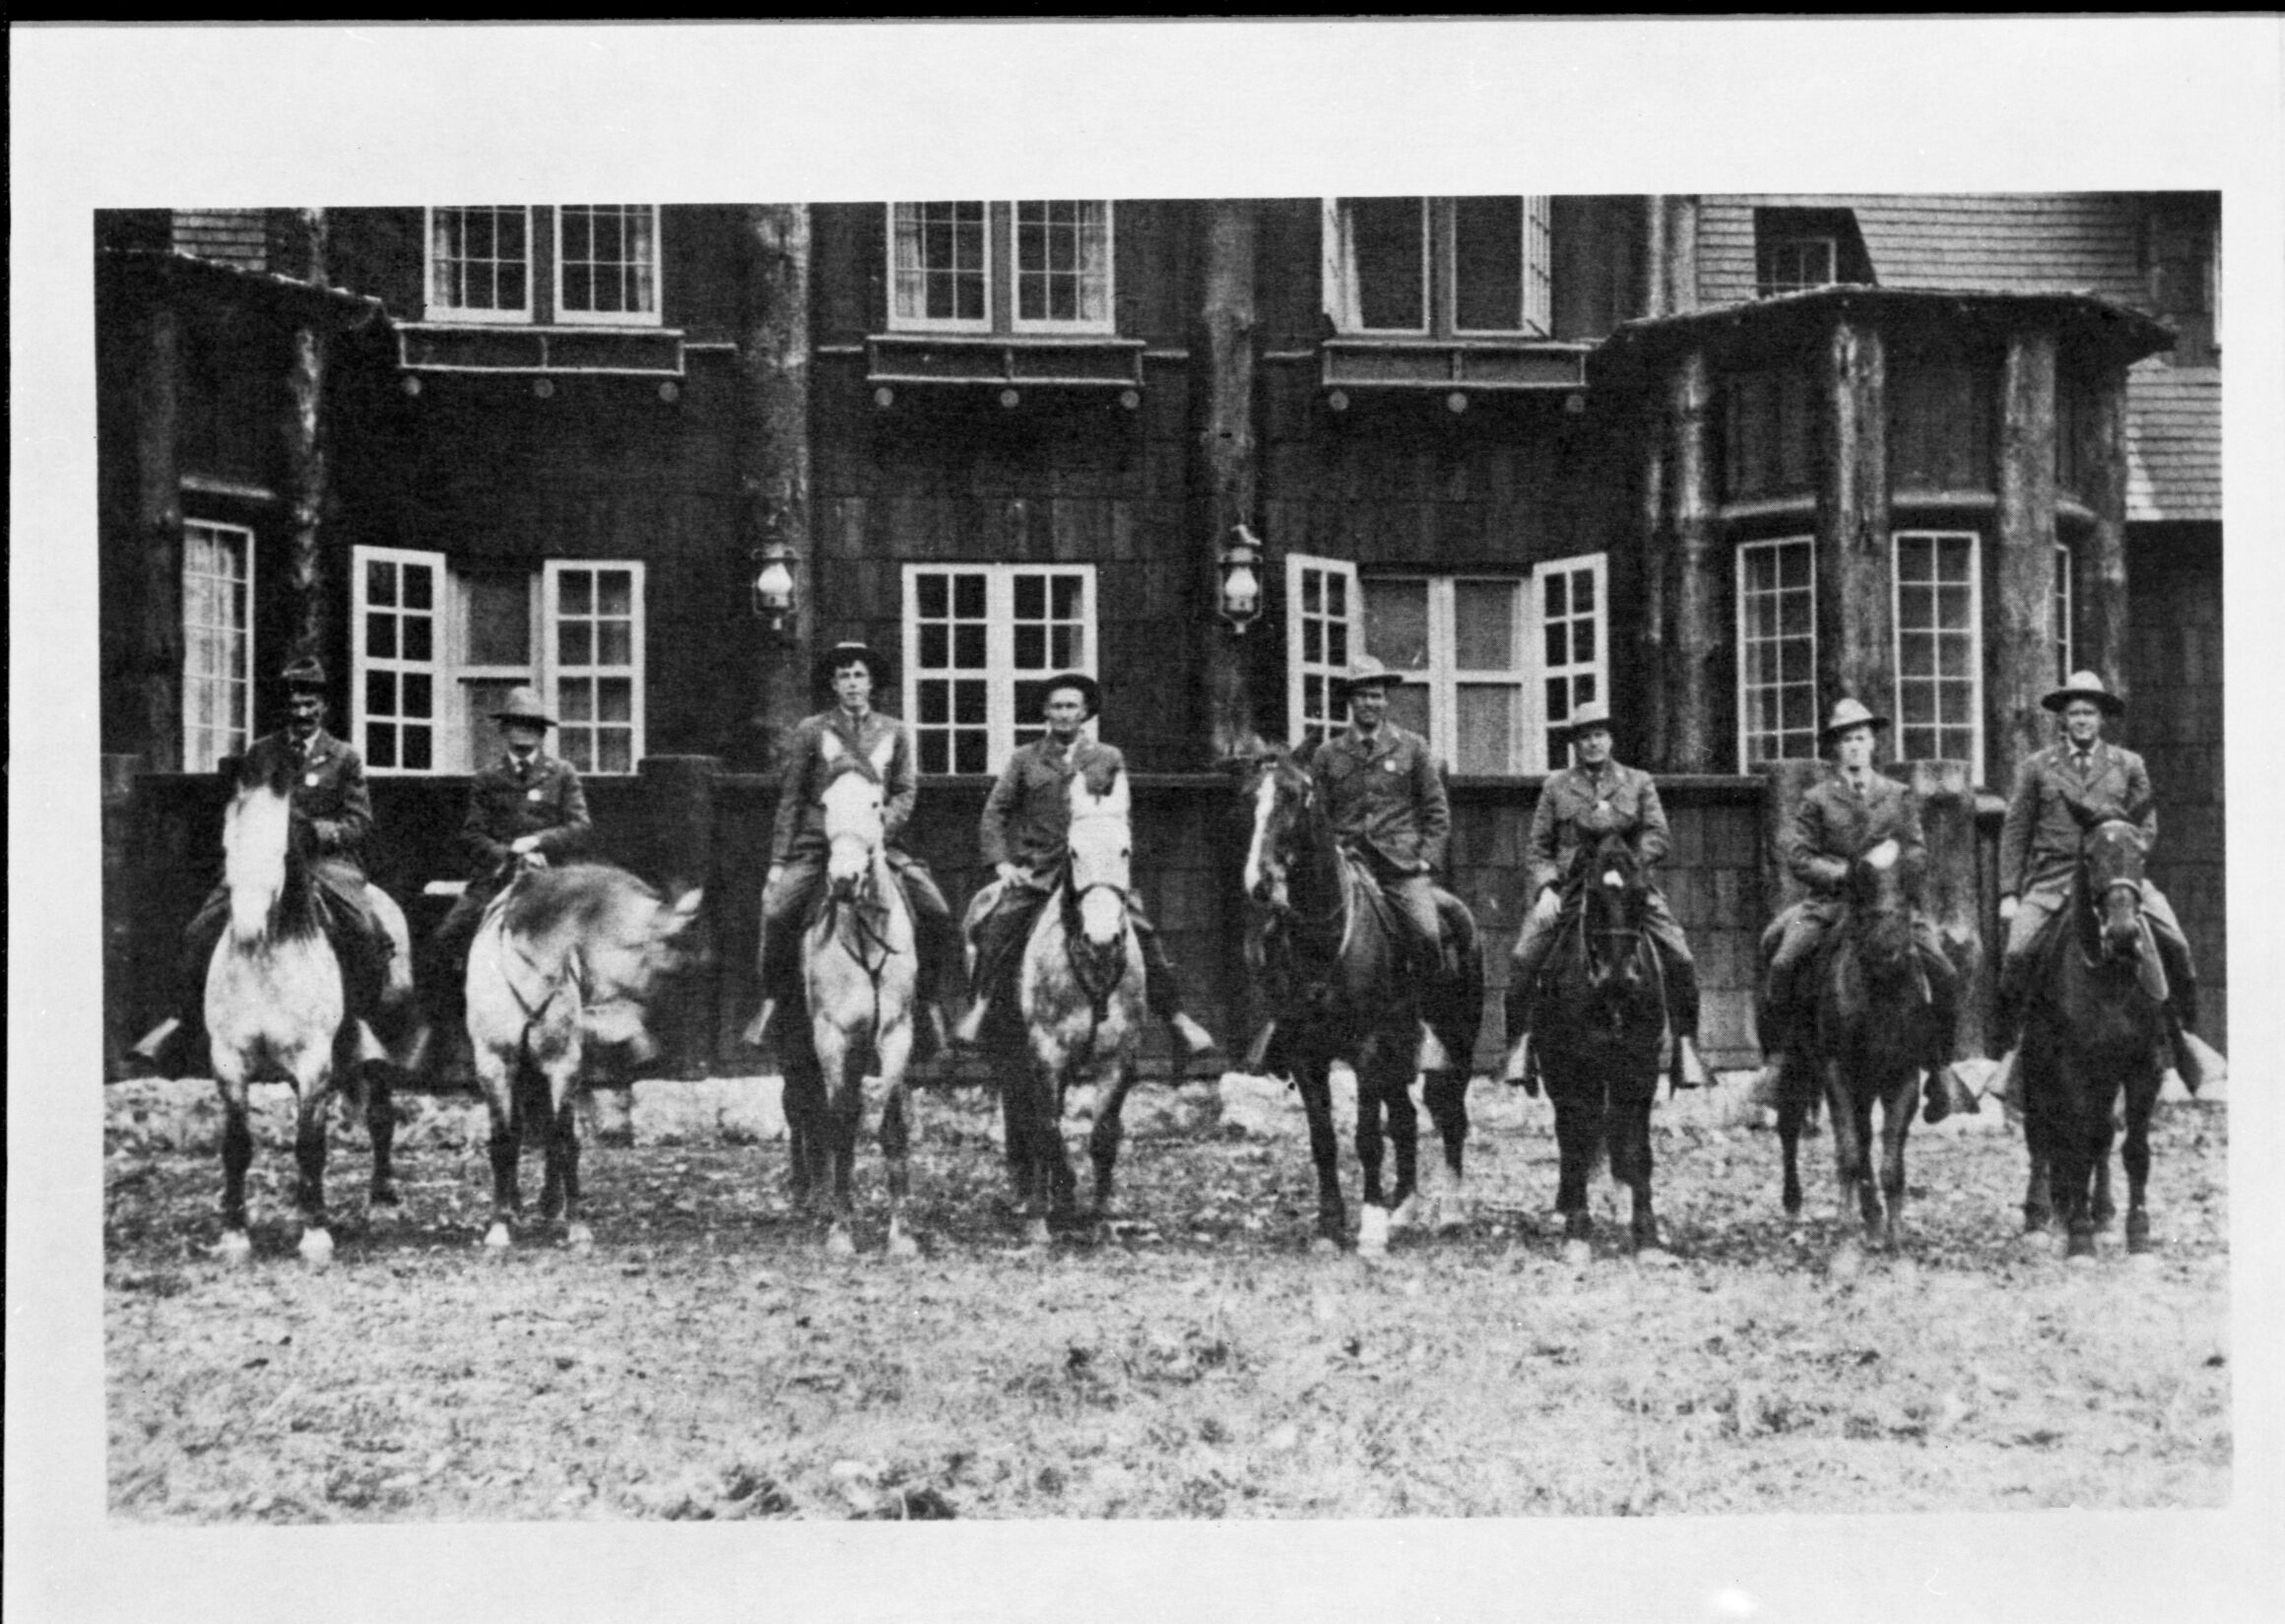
(982, 267)
(1795, 251)
(1777, 651)
(606, 263)
(980, 641)
(480, 264)
(1445, 267)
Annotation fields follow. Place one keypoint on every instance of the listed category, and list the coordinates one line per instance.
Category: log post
(1657, 291)
(1952, 897)
(2021, 662)
(2101, 646)
(121, 902)
(678, 800)
(306, 494)
(1228, 462)
(773, 463)
(156, 537)
(1656, 657)
(1696, 588)
(1856, 635)
(1682, 255)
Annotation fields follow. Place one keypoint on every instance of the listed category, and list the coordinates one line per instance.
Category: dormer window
(1796, 250)
(1794, 265)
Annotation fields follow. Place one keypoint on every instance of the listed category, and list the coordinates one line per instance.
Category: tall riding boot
(1682, 1013)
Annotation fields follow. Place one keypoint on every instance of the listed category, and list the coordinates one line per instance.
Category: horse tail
(255, 831)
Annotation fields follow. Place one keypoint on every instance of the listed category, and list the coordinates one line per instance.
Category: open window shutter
(1324, 626)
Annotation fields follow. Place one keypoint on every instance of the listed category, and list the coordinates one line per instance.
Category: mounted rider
(858, 735)
(1384, 794)
(1578, 805)
(2038, 850)
(333, 817)
(1841, 819)
(1024, 835)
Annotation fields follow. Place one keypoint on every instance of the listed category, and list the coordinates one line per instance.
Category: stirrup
(970, 1030)
(759, 1027)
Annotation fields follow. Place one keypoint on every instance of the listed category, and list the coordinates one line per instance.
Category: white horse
(562, 956)
(860, 975)
(1082, 995)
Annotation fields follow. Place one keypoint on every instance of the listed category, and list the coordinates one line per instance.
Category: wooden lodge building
(1715, 458)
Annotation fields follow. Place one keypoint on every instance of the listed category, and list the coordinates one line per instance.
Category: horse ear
(683, 909)
(832, 748)
(882, 753)
(1119, 800)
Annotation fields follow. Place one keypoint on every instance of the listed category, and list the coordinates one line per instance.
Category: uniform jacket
(1834, 824)
(1385, 794)
(2040, 842)
(1578, 805)
(1026, 818)
(505, 805)
(800, 813)
(330, 799)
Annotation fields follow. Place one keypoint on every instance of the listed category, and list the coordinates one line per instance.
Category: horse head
(1879, 912)
(855, 803)
(1613, 898)
(1282, 803)
(1102, 858)
(637, 939)
(2111, 862)
(258, 834)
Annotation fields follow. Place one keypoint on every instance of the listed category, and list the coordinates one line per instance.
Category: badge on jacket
(1388, 765)
(532, 794)
(309, 780)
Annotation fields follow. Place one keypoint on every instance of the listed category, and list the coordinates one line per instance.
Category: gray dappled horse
(274, 1009)
(1327, 956)
(2094, 1028)
(563, 956)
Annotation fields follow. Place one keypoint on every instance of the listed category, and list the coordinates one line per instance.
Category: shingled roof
(2174, 442)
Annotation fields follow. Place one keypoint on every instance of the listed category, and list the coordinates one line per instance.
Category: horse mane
(576, 896)
(263, 865)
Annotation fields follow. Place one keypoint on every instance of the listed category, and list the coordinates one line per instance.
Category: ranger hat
(2085, 684)
(523, 705)
(852, 654)
(309, 672)
(1366, 671)
(1847, 714)
(1088, 690)
(1594, 713)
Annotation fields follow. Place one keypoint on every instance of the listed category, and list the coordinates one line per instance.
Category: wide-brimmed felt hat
(1594, 713)
(2085, 684)
(1088, 690)
(1847, 714)
(1366, 671)
(309, 672)
(848, 654)
(523, 705)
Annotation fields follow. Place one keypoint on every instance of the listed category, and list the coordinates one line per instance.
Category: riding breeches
(362, 932)
(2036, 910)
(1412, 898)
(1538, 937)
(786, 908)
(1001, 936)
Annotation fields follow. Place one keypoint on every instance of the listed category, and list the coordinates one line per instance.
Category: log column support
(2101, 645)
(1228, 461)
(157, 538)
(773, 465)
(1695, 566)
(1655, 657)
(678, 800)
(2021, 662)
(300, 235)
(1856, 625)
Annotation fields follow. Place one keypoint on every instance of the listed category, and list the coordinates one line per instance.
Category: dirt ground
(706, 1360)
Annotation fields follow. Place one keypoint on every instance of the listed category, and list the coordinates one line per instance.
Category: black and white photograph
(1280, 850)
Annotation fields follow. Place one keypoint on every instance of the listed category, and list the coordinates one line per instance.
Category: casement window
(1796, 264)
(436, 650)
(980, 641)
(1451, 267)
(1491, 664)
(218, 643)
(1777, 651)
(984, 267)
(1939, 667)
(480, 264)
(607, 264)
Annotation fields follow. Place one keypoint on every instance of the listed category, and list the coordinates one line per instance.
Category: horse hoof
(1846, 1264)
(1323, 1245)
(1409, 1214)
(317, 1248)
(838, 1244)
(234, 1248)
(496, 1239)
(1036, 1233)
(1655, 1256)
(1578, 1252)
(578, 1237)
(2079, 1249)
(902, 1247)
(1373, 1232)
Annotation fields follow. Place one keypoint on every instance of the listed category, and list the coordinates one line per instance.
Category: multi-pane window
(975, 266)
(1460, 642)
(1777, 651)
(980, 642)
(480, 264)
(1321, 608)
(1574, 649)
(436, 652)
(218, 643)
(606, 263)
(1444, 266)
(1796, 264)
(2063, 611)
(1940, 687)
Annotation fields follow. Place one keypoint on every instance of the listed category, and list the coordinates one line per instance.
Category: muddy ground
(706, 1360)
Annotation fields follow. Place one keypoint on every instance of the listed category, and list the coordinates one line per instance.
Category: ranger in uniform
(1023, 833)
(2039, 849)
(1841, 819)
(1594, 796)
(798, 852)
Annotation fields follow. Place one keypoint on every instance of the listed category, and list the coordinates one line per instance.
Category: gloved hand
(2007, 909)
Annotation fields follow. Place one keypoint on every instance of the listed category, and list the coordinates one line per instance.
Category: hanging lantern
(1241, 585)
(773, 585)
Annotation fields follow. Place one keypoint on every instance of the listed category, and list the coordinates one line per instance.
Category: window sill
(615, 351)
(1058, 361)
(1489, 363)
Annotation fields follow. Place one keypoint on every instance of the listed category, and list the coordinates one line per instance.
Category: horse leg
(1375, 1209)
(1851, 1125)
(1895, 1128)
(887, 1109)
(802, 1090)
(558, 1064)
(381, 1127)
(313, 1088)
(2038, 1142)
(237, 1155)
(2105, 1208)
(1410, 1205)
(1110, 1127)
(843, 1104)
(1792, 1112)
(1579, 1128)
(564, 1149)
(495, 1075)
(2136, 1155)
(1323, 1151)
(1630, 1164)
(1445, 1093)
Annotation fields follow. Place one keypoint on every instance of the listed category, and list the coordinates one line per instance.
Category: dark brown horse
(1328, 955)
(1867, 1030)
(1602, 1020)
(2094, 1026)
